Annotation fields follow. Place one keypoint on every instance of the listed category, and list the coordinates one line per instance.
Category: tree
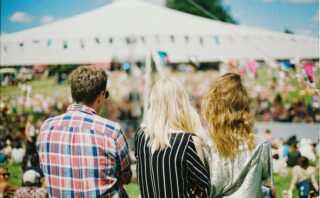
(212, 9)
(288, 31)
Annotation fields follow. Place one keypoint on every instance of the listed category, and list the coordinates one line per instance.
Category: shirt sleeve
(267, 172)
(198, 173)
(125, 173)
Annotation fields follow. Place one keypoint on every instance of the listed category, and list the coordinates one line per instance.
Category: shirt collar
(82, 108)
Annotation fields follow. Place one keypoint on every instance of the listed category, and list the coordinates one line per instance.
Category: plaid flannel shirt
(83, 155)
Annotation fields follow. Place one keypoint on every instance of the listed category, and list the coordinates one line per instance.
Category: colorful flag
(285, 65)
(164, 57)
(308, 67)
(49, 42)
(252, 66)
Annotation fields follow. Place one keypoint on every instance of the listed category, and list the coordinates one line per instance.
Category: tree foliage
(288, 31)
(214, 7)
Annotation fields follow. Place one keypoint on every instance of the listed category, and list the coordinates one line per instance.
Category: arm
(26, 133)
(10, 189)
(294, 179)
(267, 173)
(314, 180)
(197, 171)
(125, 173)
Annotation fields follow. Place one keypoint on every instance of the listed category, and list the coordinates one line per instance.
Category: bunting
(164, 57)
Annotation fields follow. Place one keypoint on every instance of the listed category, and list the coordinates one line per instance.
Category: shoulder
(262, 142)
(296, 168)
(139, 134)
(311, 169)
(48, 122)
(110, 128)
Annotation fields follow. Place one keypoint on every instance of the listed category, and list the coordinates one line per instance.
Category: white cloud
(47, 19)
(20, 17)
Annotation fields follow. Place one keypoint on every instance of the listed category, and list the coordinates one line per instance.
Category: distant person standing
(82, 154)
(239, 161)
(170, 160)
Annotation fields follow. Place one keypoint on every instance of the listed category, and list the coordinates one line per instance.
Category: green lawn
(281, 183)
(47, 87)
(16, 177)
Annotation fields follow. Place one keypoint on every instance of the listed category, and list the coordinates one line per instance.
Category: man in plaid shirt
(81, 153)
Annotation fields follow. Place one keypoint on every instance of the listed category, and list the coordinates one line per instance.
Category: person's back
(81, 153)
(239, 161)
(243, 175)
(304, 178)
(170, 160)
(170, 172)
(18, 153)
(293, 156)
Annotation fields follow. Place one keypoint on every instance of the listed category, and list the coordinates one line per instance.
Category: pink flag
(309, 71)
(252, 66)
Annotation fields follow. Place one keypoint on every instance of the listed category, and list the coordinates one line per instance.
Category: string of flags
(98, 41)
(130, 40)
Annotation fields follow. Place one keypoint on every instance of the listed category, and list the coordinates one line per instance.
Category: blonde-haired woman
(240, 162)
(170, 160)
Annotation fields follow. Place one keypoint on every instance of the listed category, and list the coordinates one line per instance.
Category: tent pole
(147, 84)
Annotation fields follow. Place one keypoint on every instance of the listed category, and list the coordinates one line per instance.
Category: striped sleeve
(124, 158)
(197, 171)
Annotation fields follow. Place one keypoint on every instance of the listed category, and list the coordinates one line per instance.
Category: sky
(299, 16)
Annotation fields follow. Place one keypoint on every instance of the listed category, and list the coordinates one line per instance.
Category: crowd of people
(22, 117)
(297, 155)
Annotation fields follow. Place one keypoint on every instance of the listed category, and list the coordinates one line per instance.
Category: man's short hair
(87, 82)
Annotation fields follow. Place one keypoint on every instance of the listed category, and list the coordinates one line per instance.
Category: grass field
(16, 177)
(281, 183)
(47, 87)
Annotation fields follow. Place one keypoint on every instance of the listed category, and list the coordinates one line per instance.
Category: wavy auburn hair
(225, 109)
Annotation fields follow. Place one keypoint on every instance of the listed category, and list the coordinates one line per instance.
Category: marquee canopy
(126, 30)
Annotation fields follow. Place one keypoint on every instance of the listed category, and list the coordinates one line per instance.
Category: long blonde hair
(169, 108)
(226, 110)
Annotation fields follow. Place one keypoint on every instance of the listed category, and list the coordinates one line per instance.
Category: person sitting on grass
(303, 177)
(31, 186)
(6, 189)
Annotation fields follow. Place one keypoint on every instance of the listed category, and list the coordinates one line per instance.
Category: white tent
(129, 29)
